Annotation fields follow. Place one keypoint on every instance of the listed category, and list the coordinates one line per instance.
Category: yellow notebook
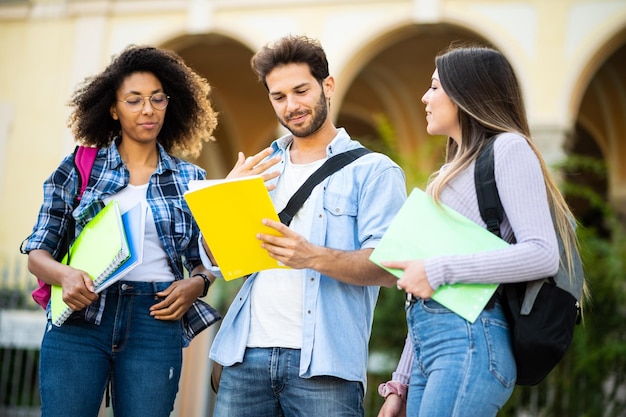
(423, 229)
(229, 214)
(100, 248)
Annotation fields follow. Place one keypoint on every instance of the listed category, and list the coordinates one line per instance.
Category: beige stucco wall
(49, 46)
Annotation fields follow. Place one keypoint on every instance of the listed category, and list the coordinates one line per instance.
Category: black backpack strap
(332, 164)
(489, 203)
(486, 190)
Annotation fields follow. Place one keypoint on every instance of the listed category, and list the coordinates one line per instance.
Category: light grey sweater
(527, 224)
(527, 216)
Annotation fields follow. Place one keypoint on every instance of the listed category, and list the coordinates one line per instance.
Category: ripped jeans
(459, 369)
(141, 356)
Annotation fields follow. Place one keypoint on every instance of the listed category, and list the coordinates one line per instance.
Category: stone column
(551, 139)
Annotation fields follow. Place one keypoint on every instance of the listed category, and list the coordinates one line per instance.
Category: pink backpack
(84, 158)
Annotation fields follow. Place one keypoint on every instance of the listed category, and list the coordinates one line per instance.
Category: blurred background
(569, 55)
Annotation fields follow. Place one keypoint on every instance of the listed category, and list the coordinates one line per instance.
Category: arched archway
(386, 92)
(246, 121)
(600, 120)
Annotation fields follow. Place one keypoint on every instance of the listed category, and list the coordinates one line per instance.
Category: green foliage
(589, 379)
(12, 298)
(419, 163)
(389, 330)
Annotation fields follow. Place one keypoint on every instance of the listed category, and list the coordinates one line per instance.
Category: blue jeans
(142, 357)
(266, 384)
(460, 369)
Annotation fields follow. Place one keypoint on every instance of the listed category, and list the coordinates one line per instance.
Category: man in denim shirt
(295, 341)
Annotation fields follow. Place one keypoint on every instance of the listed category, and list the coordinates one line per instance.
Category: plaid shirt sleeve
(177, 229)
(52, 221)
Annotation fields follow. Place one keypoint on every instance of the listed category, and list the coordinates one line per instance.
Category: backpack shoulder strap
(332, 164)
(491, 211)
(486, 190)
(84, 158)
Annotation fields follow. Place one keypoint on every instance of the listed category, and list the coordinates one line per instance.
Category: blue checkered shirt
(176, 227)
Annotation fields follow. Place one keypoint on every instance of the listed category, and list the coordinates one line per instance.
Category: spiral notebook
(135, 226)
(100, 248)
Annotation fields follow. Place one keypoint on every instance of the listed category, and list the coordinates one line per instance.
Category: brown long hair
(482, 82)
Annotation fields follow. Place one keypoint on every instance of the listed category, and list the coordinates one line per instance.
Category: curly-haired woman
(146, 107)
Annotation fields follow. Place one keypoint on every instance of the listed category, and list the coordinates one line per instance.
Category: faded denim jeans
(460, 369)
(267, 384)
(141, 355)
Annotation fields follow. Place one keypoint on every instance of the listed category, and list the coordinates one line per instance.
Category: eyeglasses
(136, 103)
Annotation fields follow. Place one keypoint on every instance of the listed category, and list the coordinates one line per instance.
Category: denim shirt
(177, 230)
(352, 212)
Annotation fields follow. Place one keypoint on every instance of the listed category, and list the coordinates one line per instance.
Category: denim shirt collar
(340, 143)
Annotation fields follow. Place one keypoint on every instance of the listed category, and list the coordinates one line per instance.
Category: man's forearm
(351, 267)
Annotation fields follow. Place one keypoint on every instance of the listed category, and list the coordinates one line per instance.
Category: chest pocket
(340, 197)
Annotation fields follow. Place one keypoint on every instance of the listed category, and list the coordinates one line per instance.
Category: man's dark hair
(291, 50)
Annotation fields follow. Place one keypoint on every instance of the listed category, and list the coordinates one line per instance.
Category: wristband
(393, 387)
(207, 282)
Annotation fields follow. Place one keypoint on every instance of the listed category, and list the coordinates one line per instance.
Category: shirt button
(337, 210)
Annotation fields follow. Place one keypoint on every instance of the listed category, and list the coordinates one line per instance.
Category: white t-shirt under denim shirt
(351, 210)
(277, 294)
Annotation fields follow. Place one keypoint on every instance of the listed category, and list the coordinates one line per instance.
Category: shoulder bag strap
(332, 164)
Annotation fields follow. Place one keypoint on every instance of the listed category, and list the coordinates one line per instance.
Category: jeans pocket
(501, 360)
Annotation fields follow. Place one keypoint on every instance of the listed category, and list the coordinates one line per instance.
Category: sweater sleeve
(527, 222)
(405, 364)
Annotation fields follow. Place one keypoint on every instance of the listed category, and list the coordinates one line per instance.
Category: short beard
(320, 114)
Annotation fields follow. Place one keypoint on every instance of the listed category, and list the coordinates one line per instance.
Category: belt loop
(155, 289)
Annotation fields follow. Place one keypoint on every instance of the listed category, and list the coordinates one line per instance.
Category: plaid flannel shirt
(176, 227)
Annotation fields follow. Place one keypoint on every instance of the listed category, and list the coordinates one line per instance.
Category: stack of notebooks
(108, 248)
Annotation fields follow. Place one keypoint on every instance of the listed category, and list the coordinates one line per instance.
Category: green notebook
(422, 229)
(100, 248)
